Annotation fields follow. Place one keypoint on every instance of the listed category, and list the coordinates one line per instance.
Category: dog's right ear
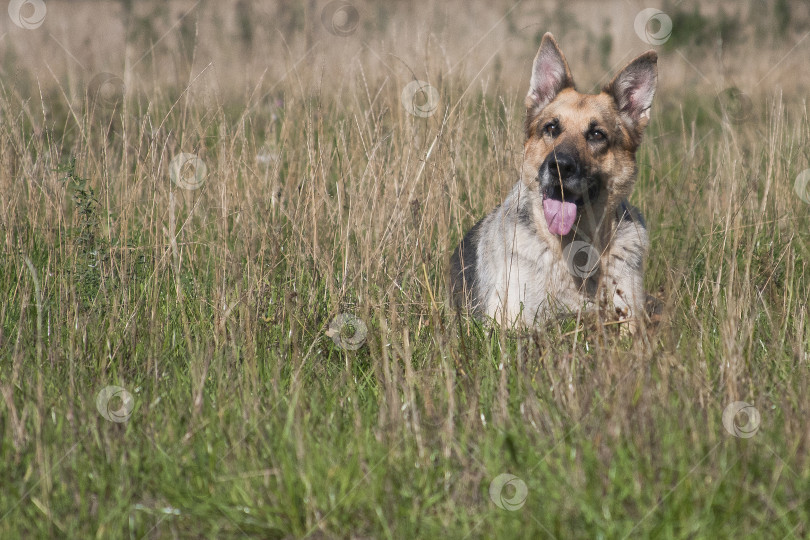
(633, 89)
(550, 74)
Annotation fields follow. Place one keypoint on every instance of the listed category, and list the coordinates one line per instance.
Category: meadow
(226, 231)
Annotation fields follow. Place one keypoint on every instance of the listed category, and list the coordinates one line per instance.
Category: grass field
(226, 234)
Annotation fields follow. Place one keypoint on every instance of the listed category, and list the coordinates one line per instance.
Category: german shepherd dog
(565, 239)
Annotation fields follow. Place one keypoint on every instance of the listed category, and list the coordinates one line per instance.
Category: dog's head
(580, 148)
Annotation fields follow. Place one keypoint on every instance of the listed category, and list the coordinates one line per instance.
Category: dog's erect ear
(633, 90)
(550, 74)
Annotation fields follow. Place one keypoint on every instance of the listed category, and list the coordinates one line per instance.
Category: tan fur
(517, 270)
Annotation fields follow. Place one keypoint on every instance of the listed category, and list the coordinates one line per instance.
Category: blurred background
(249, 51)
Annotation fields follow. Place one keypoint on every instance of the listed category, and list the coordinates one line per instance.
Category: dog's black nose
(562, 166)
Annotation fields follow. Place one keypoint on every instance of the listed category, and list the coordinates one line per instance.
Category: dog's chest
(554, 279)
(537, 280)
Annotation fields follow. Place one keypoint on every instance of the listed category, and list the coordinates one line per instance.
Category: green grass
(211, 307)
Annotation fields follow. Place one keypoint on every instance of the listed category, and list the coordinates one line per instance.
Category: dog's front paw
(629, 317)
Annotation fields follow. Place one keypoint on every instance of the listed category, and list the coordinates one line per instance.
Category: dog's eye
(596, 135)
(552, 129)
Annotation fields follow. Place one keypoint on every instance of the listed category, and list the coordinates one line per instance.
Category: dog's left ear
(633, 90)
(550, 74)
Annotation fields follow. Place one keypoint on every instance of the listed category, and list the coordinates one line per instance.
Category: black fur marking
(463, 272)
(628, 212)
(524, 217)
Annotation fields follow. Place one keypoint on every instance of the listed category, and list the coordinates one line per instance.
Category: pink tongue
(560, 216)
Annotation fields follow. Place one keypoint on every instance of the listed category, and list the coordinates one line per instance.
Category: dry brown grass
(325, 196)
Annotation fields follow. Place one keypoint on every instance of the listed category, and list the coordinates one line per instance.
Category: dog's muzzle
(565, 189)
